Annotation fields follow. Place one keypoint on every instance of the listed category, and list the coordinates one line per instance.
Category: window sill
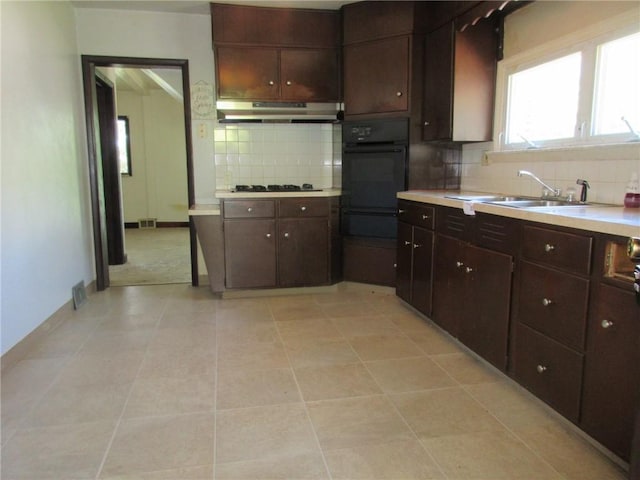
(613, 151)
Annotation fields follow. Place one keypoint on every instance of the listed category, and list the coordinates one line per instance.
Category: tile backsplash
(606, 168)
(264, 154)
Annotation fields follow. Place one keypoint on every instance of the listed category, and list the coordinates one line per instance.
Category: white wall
(129, 33)
(158, 186)
(606, 168)
(46, 228)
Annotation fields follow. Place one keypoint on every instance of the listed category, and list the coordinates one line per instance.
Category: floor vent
(79, 294)
(147, 223)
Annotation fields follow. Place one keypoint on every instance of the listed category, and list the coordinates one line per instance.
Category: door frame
(89, 64)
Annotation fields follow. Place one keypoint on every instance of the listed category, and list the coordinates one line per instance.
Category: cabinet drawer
(550, 370)
(563, 250)
(454, 223)
(497, 233)
(416, 214)
(249, 209)
(304, 207)
(554, 303)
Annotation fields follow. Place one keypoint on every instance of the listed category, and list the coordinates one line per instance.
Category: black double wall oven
(374, 170)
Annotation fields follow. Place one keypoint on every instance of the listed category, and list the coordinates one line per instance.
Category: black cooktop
(306, 187)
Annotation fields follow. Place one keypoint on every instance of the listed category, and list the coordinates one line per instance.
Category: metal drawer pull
(271, 82)
(416, 245)
(541, 369)
(286, 234)
(398, 94)
(459, 264)
(549, 248)
(468, 269)
(407, 242)
(606, 323)
(424, 217)
(249, 209)
(401, 211)
(268, 235)
(303, 208)
(288, 83)
(546, 302)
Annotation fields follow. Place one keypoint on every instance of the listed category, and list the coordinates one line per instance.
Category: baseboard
(28, 343)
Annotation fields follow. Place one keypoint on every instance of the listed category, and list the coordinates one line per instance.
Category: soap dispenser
(632, 197)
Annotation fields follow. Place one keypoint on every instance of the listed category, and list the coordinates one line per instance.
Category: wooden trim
(89, 64)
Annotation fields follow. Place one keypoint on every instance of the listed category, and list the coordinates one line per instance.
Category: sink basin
(485, 198)
(532, 203)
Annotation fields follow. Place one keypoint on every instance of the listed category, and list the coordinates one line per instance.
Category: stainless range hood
(232, 111)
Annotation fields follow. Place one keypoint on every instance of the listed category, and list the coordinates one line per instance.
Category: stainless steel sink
(485, 198)
(532, 203)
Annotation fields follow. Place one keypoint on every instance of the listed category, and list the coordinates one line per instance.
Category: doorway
(101, 188)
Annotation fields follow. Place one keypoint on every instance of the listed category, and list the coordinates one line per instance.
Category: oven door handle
(374, 148)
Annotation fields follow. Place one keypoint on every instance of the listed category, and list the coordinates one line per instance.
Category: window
(124, 146)
(581, 95)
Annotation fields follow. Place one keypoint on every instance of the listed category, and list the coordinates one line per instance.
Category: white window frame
(585, 41)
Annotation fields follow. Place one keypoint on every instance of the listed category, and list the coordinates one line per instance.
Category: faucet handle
(585, 186)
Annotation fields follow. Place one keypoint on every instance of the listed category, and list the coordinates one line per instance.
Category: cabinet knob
(459, 264)
(288, 82)
(426, 124)
(400, 211)
(271, 83)
(546, 302)
(398, 94)
(549, 248)
(606, 323)
(303, 208)
(416, 245)
(268, 235)
(407, 242)
(541, 369)
(286, 234)
(424, 217)
(249, 209)
(468, 269)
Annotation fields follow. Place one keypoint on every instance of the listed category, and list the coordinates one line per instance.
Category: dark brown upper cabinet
(459, 82)
(276, 54)
(291, 74)
(382, 56)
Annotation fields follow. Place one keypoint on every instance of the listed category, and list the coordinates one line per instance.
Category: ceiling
(201, 7)
(142, 80)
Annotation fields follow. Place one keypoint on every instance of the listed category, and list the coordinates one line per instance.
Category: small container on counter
(632, 197)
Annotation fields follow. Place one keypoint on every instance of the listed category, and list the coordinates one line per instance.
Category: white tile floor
(168, 382)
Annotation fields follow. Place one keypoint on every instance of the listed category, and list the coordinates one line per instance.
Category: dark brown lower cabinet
(472, 296)
(611, 392)
(303, 252)
(549, 369)
(250, 253)
(414, 266)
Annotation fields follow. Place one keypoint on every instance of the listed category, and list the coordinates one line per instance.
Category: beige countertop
(213, 209)
(204, 209)
(614, 220)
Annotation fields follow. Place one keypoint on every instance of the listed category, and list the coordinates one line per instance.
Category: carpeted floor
(154, 256)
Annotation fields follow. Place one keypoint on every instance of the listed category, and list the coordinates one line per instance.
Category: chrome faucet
(556, 191)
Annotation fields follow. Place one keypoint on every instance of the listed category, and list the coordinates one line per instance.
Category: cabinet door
(437, 110)
(449, 283)
(250, 253)
(309, 75)
(376, 76)
(404, 261)
(247, 73)
(422, 269)
(485, 326)
(303, 251)
(611, 393)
